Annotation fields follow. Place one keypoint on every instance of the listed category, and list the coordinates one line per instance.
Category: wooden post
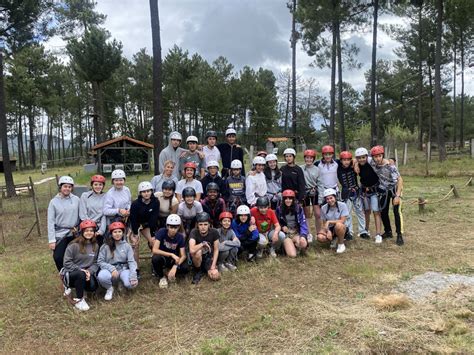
(428, 154)
(405, 154)
(421, 205)
(472, 147)
(1, 224)
(35, 205)
(455, 191)
(396, 157)
(251, 157)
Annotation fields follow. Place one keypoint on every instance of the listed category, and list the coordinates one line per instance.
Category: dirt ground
(324, 303)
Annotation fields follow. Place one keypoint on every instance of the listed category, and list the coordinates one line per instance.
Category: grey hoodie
(74, 260)
(63, 215)
(226, 239)
(122, 259)
(91, 206)
(116, 199)
(169, 153)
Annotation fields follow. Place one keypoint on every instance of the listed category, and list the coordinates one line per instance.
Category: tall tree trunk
(439, 117)
(7, 168)
(32, 128)
(157, 84)
(49, 148)
(21, 151)
(61, 127)
(97, 119)
(373, 108)
(332, 114)
(461, 123)
(454, 94)
(71, 142)
(430, 126)
(420, 79)
(293, 73)
(342, 133)
(287, 109)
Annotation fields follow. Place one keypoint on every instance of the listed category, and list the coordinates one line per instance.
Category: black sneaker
(387, 235)
(400, 241)
(138, 274)
(364, 236)
(197, 277)
(348, 236)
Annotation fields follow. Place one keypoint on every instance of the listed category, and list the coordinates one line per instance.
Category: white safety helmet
(361, 151)
(329, 192)
(243, 209)
(65, 180)
(236, 164)
(271, 157)
(176, 135)
(145, 186)
(230, 131)
(118, 174)
(212, 163)
(192, 139)
(289, 151)
(173, 220)
(258, 160)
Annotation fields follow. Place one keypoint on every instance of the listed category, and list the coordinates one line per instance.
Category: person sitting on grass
(144, 218)
(229, 244)
(91, 206)
(169, 251)
(118, 199)
(189, 209)
(167, 175)
(212, 176)
(168, 202)
(213, 204)
(293, 222)
(204, 249)
(189, 181)
(116, 262)
(234, 189)
(268, 226)
(80, 264)
(63, 218)
(333, 217)
(246, 231)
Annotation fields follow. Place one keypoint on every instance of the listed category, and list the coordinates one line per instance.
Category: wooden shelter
(12, 164)
(128, 154)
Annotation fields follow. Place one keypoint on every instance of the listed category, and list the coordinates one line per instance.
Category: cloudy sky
(246, 32)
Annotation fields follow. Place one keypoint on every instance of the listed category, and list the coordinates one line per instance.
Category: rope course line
(421, 201)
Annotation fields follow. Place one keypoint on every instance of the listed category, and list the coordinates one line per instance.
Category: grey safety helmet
(262, 202)
(168, 185)
(211, 134)
(212, 186)
(202, 217)
(189, 191)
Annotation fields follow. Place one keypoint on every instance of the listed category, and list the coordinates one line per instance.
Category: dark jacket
(229, 153)
(348, 180)
(293, 179)
(214, 210)
(144, 214)
(303, 229)
(208, 179)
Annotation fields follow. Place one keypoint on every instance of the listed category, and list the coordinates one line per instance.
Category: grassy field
(319, 303)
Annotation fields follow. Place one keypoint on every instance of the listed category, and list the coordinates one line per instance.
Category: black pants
(161, 262)
(60, 250)
(77, 280)
(385, 202)
(247, 244)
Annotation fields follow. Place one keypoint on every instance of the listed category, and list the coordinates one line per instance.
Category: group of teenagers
(203, 213)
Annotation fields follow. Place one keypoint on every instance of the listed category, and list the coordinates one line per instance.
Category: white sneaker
(109, 294)
(378, 239)
(81, 304)
(230, 267)
(67, 291)
(260, 254)
(163, 282)
(333, 244)
(341, 248)
(309, 238)
(272, 252)
(222, 268)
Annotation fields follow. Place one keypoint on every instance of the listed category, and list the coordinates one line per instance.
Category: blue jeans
(106, 280)
(358, 205)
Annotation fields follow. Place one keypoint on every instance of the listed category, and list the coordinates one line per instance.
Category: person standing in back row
(230, 151)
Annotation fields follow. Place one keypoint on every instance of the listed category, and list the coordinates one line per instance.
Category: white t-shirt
(211, 154)
(195, 184)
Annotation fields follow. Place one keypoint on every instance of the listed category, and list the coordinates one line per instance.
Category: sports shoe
(387, 235)
(109, 294)
(260, 254)
(400, 241)
(341, 248)
(309, 238)
(163, 282)
(81, 304)
(348, 236)
(333, 244)
(251, 257)
(364, 236)
(197, 277)
(67, 291)
(222, 268)
(272, 252)
(138, 274)
(378, 239)
(230, 267)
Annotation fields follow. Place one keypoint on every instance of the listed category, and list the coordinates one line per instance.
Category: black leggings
(60, 250)
(161, 262)
(385, 201)
(247, 244)
(77, 280)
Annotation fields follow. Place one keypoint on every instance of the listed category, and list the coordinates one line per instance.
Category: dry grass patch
(392, 302)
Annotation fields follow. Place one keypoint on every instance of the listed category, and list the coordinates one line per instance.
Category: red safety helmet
(116, 225)
(98, 178)
(345, 155)
(288, 193)
(189, 164)
(87, 223)
(225, 215)
(378, 149)
(309, 153)
(327, 149)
